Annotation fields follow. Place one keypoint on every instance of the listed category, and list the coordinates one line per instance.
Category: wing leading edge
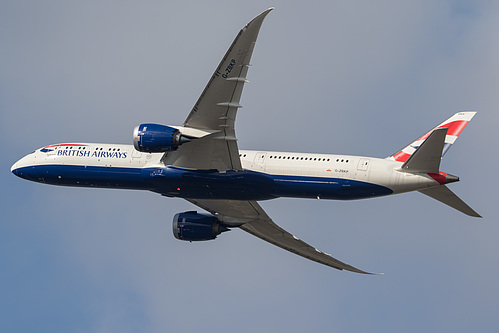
(217, 106)
(259, 224)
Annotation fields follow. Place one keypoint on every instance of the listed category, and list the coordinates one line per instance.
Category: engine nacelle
(191, 226)
(155, 138)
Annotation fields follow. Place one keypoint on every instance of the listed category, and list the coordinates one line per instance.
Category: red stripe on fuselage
(66, 145)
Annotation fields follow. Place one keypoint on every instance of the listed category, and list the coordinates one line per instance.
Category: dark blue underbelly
(211, 184)
(204, 184)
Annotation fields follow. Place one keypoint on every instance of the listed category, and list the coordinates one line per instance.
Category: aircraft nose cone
(21, 166)
(14, 169)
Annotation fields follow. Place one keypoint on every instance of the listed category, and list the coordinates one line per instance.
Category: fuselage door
(258, 162)
(363, 164)
(362, 172)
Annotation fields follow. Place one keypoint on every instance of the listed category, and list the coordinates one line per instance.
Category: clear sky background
(353, 77)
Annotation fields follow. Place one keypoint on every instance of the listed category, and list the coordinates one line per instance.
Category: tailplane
(443, 194)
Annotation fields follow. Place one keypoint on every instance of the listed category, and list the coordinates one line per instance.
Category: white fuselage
(297, 174)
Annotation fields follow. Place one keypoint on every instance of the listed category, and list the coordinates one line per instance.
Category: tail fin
(454, 126)
(424, 156)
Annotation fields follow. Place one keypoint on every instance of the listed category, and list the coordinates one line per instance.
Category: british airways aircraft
(200, 161)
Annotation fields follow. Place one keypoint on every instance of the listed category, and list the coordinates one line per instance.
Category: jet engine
(192, 226)
(155, 138)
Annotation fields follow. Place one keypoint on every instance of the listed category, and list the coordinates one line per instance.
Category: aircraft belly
(251, 185)
(327, 188)
(211, 184)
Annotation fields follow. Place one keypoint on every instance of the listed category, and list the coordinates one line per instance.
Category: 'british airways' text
(87, 153)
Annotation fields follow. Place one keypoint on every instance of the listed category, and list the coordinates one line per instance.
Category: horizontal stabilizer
(443, 194)
(428, 156)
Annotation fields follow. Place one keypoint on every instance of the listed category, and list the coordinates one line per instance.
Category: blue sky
(356, 77)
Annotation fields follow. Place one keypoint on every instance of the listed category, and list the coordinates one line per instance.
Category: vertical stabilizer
(454, 125)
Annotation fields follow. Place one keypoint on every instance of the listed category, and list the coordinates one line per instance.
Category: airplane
(200, 162)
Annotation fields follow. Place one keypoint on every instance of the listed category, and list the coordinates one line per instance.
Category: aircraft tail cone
(451, 179)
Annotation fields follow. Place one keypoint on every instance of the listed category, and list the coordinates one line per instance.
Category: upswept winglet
(454, 125)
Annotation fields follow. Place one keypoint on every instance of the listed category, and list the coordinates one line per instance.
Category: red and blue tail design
(454, 125)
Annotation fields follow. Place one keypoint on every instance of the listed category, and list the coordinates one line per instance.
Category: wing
(215, 111)
(258, 223)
